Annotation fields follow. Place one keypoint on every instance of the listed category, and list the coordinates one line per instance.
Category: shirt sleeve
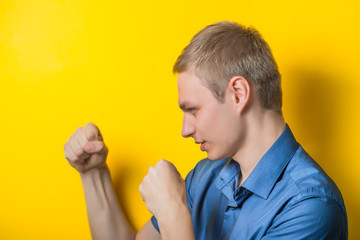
(188, 181)
(312, 218)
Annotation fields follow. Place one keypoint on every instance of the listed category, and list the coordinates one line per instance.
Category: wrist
(176, 224)
(94, 171)
(172, 213)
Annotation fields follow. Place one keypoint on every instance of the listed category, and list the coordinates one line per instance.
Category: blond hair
(226, 49)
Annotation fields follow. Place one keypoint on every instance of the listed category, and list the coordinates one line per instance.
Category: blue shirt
(286, 196)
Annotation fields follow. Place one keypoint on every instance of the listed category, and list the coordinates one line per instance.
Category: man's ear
(239, 88)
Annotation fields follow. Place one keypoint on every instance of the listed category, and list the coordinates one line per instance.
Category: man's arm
(148, 232)
(106, 219)
(86, 152)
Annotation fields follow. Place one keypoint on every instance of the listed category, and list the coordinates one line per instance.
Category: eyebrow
(184, 106)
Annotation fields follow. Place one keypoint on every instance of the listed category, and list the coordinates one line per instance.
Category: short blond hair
(226, 49)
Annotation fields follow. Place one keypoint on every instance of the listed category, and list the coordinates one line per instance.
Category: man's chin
(214, 157)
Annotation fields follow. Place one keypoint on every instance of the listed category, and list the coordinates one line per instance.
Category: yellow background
(65, 63)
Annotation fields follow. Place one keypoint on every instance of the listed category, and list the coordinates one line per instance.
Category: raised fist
(86, 149)
(163, 189)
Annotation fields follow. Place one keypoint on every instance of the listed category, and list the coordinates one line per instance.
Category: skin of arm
(105, 217)
(86, 152)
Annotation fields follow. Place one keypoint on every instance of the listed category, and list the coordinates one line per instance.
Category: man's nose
(188, 128)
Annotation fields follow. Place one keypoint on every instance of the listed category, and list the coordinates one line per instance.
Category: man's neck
(261, 134)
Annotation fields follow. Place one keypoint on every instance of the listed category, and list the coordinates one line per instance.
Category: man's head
(223, 50)
(225, 75)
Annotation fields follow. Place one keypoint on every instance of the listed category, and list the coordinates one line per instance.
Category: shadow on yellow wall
(324, 109)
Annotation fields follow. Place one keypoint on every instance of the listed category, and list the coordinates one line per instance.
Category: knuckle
(90, 135)
(83, 140)
(90, 124)
(162, 162)
(72, 159)
(145, 180)
(78, 152)
(152, 171)
(102, 146)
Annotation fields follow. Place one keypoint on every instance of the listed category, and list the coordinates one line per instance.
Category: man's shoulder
(309, 199)
(309, 180)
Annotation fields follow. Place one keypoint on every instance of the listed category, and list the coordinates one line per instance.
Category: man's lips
(202, 146)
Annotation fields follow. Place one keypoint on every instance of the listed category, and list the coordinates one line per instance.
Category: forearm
(176, 224)
(106, 220)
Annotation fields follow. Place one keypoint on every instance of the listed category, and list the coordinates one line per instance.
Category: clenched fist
(86, 149)
(163, 189)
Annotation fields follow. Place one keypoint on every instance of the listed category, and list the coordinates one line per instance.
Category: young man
(257, 182)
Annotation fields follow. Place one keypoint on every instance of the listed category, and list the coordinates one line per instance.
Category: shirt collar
(266, 173)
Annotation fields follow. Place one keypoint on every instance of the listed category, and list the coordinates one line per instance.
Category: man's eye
(192, 109)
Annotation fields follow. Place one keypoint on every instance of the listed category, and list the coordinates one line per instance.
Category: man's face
(212, 124)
